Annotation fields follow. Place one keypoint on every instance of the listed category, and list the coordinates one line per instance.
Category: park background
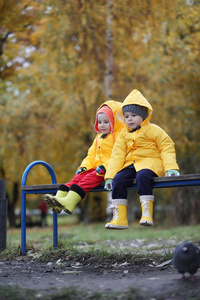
(59, 60)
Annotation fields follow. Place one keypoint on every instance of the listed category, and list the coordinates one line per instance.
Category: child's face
(103, 123)
(132, 120)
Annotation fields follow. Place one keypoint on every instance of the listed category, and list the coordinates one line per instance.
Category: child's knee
(116, 179)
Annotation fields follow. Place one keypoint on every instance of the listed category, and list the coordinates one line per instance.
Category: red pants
(86, 180)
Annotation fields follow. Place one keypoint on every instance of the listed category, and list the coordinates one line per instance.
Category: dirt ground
(151, 281)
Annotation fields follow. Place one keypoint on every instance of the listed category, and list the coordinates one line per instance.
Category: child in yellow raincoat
(143, 151)
(93, 168)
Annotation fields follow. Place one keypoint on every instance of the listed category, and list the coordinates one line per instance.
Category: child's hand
(172, 173)
(81, 170)
(101, 170)
(108, 185)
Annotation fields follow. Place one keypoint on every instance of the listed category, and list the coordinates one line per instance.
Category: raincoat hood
(116, 124)
(135, 97)
(100, 151)
(149, 147)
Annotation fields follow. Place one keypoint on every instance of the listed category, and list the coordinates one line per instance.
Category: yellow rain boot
(147, 210)
(119, 220)
(48, 199)
(69, 202)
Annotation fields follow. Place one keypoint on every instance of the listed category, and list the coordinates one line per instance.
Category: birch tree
(109, 50)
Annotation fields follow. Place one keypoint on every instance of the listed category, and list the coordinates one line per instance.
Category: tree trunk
(11, 205)
(109, 51)
(186, 204)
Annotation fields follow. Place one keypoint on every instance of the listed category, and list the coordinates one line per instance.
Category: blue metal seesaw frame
(23, 203)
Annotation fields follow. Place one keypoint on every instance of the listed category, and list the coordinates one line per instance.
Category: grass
(93, 243)
(82, 237)
(98, 232)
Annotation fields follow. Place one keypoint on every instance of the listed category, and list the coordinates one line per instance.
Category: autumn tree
(64, 58)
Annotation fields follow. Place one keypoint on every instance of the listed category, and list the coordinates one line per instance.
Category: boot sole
(117, 227)
(58, 204)
(146, 223)
(49, 203)
(56, 210)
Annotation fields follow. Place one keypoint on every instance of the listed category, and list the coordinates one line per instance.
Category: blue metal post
(23, 205)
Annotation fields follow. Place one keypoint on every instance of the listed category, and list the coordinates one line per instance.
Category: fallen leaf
(77, 266)
(165, 263)
(124, 264)
(34, 255)
(71, 272)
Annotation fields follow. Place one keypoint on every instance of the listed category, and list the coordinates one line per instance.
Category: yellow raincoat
(100, 151)
(147, 148)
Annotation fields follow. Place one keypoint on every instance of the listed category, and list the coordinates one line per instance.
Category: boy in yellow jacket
(143, 151)
(93, 168)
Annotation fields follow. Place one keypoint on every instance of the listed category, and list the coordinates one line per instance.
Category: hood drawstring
(103, 135)
(137, 128)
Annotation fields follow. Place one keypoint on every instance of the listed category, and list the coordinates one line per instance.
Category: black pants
(124, 179)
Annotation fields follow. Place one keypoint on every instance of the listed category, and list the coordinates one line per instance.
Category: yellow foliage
(48, 108)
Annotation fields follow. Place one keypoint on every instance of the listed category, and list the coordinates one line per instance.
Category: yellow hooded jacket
(146, 148)
(100, 151)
